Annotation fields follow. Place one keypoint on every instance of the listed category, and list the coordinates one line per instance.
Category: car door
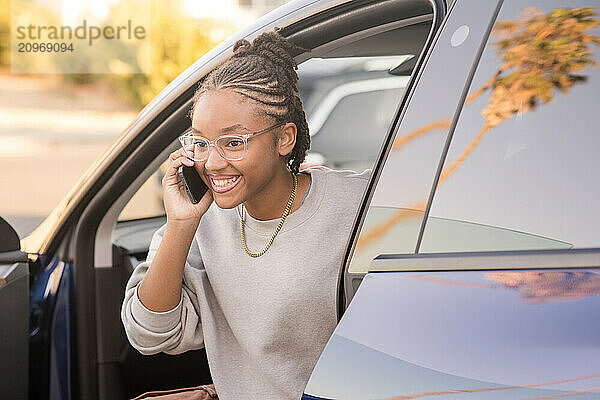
(36, 309)
(105, 250)
(14, 311)
(479, 277)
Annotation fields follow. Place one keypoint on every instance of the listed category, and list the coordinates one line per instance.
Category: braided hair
(265, 71)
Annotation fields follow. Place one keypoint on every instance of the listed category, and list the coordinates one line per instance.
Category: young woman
(250, 272)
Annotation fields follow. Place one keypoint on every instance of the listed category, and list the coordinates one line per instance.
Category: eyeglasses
(230, 147)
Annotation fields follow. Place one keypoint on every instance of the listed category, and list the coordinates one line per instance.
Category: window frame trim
(440, 11)
(488, 260)
(455, 117)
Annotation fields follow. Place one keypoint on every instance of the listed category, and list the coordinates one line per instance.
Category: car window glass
(396, 210)
(522, 168)
(147, 201)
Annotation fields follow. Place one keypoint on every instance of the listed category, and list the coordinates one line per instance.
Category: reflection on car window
(467, 336)
(396, 211)
(524, 156)
(450, 235)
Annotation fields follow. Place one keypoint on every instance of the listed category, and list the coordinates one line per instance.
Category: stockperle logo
(66, 36)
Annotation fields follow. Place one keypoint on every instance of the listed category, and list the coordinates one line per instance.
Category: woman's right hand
(178, 205)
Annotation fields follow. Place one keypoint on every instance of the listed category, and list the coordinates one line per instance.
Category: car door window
(522, 168)
(393, 219)
(147, 202)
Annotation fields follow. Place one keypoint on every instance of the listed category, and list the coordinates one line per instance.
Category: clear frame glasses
(230, 147)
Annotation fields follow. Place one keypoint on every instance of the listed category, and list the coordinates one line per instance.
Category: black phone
(194, 185)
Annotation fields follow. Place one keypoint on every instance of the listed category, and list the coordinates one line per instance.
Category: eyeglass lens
(230, 147)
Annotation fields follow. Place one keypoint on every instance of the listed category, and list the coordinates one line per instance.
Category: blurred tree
(541, 53)
(176, 42)
(4, 33)
(22, 12)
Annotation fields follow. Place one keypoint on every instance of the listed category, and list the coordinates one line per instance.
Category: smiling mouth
(223, 185)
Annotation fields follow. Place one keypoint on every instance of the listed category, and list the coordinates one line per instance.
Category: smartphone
(194, 185)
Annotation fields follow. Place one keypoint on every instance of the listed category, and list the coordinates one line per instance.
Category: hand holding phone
(194, 185)
(185, 195)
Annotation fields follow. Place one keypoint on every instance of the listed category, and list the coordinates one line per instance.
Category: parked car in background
(336, 91)
(473, 267)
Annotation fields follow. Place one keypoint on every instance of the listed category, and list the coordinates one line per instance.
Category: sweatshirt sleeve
(174, 331)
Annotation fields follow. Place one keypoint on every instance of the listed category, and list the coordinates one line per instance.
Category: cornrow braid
(265, 71)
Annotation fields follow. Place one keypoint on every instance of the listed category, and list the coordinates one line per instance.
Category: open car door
(14, 314)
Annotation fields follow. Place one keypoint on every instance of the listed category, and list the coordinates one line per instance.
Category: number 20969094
(44, 47)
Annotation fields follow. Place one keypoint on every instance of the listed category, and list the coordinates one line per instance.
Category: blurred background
(53, 126)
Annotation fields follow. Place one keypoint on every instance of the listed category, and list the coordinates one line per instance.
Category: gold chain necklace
(286, 212)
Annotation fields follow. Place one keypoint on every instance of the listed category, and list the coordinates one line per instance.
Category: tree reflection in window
(541, 54)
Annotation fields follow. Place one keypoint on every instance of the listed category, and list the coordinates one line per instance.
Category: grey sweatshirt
(264, 321)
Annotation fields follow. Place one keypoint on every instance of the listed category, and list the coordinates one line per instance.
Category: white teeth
(224, 182)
